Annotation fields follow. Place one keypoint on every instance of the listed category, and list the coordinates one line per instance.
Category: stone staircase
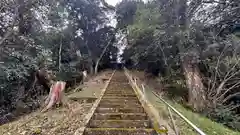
(119, 112)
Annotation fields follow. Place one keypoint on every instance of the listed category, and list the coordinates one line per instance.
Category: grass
(206, 125)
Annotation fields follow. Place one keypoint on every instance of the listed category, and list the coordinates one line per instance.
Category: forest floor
(208, 126)
(65, 121)
(62, 120)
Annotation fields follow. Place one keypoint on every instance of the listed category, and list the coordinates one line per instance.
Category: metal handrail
(199, 131)
(179, 114)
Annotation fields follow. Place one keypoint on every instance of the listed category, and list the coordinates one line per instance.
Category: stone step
(120, 94)
(120, 90)
(119, 97)
(118, 131)
(118, 101)
(120, 116)
(125, 82)
(120, 124)
(119, 105)
(120, 110)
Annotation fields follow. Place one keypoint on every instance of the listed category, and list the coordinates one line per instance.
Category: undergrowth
(206, 125)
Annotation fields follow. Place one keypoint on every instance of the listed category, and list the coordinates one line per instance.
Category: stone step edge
(120, 129)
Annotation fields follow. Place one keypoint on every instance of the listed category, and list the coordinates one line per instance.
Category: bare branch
(232, 69)
(214, 1)
(216, 68)
(233, 75)
(234, 107)
(229, 89)
(230, 96)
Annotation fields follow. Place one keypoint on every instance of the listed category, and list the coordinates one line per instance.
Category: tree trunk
(96, 66)
(166, 66)
(59, 56)
(56, 95)
(44, 79)
(99, 59)
(196, 93)
(91, 69)
(90, 60)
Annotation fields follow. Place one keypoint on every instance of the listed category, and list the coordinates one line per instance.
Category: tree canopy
(64, 37)
(195, 41)
(191, 43)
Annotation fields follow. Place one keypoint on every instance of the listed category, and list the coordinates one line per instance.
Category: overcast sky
(112, 2)
(122, 43)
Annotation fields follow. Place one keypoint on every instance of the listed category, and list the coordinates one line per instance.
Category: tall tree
(177, 34)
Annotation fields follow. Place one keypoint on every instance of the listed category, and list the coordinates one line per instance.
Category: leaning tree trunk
(196, 93)
(96, 66)
(90, 59)
(60, 56)
(91, 70)
(99, 59)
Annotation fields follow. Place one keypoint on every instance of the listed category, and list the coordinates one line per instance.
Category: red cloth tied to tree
(55, 95)
(57, 88)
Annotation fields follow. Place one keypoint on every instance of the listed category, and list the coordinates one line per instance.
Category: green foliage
(149, 40)
(125, 12)
(46, 35)
(209, 126)
(225, 116)
(162, 34)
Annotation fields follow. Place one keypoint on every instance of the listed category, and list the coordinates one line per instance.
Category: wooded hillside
(41, 40)
(193, 45)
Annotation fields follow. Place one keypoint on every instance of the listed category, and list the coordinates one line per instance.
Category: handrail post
(143, 90)
(172, 120)
(179, 114)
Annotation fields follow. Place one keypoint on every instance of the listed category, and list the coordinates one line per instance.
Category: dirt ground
(63, 120)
